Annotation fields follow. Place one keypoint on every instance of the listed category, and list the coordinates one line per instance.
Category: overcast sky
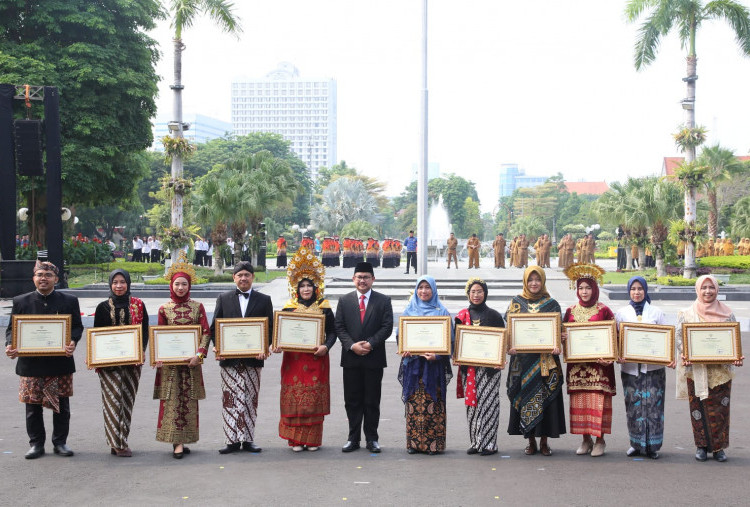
(548, 84)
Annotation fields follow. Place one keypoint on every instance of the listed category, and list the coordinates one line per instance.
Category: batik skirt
(484, 417)
(178, 415)
(240, 385)
(119, 387)
(644, 406)
(425, 421)
(305, 398)
(710, 417)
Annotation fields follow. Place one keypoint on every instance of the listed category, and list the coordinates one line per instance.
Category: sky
(549, 84)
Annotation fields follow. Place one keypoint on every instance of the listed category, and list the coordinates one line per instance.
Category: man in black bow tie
(240, 378)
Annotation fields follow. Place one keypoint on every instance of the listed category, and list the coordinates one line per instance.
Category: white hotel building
(303, 111)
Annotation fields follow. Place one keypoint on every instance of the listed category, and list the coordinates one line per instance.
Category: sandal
(530, 449)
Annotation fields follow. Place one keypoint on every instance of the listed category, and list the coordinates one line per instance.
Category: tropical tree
(721, 165)
(183, 14)
(533, 227)
(359, 229)
(740, 221)
(686, 16)
(657, 202)
(344, 200)
(614, 208)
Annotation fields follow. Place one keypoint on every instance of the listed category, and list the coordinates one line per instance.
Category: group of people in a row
(147, 249)
(720, 247)
(582, 250)
(362, 323)
(387, 254)
(518, 250)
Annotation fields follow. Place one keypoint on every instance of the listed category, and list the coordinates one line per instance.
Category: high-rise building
(202, 128)
(303, 111)
(512, 177)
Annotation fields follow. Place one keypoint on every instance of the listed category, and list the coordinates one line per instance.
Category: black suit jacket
(376, 328)
(57, 303)
(228, 307)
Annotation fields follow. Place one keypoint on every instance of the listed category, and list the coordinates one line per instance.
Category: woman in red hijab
(179, 387)
(590, 385)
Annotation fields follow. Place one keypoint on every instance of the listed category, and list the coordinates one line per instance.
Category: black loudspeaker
(28, 136)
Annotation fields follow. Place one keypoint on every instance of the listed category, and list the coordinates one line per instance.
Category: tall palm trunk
(641, 258)
(713, 214)
(690, 215)
(177, 133)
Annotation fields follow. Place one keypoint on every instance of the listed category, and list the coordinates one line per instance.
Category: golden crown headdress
(582, 270)
(182, 266)
(305, 265)
(472, 281)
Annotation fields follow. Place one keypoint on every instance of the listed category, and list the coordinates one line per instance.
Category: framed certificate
(534, 332)
(245, 337)
(480, 346)
(114, 346)
(173, 344)
(589, 341)
(712, 342)
(646, 343)
(41, 335)
(420, 335)
(298, 331)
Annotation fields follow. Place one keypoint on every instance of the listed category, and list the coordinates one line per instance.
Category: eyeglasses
(44, 275)
(476, 293)
(363, 277)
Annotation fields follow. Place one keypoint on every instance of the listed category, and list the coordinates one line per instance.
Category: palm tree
(344, 200)
(740, 221)
(721, 166)
(686, 16)
(619, 206)
(184, 13)
(658, 202)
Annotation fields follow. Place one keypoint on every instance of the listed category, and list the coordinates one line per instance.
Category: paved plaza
(277, 476)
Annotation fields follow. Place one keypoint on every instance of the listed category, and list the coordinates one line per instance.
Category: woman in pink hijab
(707, 387)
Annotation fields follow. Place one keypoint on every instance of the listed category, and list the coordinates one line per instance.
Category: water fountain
(439, 227)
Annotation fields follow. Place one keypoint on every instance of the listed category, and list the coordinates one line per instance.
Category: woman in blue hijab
(424, 379)
(643, 384)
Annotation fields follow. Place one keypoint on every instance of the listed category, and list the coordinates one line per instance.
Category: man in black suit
(46, 381)
(364, 320)
(240, 378)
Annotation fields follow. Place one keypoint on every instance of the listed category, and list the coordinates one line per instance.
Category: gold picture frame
(114, 346)
(298, 331)
(428, 334)
(173, 344)
(712, 342)
(41, 335)
(527, 332)
(588, 342)
(234, 337)
(480, 346)
(646, 343)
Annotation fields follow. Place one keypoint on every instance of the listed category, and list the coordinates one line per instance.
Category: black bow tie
(246, 295)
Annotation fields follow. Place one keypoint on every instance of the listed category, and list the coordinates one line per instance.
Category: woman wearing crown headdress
(535, 380)
(305, 390)
(179, 387)
(590, 385)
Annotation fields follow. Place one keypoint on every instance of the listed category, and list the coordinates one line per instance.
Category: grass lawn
(740, 278)
(615, 278)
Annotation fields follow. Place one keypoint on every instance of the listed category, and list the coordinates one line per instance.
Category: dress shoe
(373, 446)
(488, 452)
(250, 447)
(471, 450)
(313, 448)
(63, 450)
(350, 446)
(411, 451)
(598, 449)
(298, 448)
(720, 456)
(653, 455)
(633, 452)
(124, 453)
(700, 454)
(230, 448)
(35, 452)
(585, 447)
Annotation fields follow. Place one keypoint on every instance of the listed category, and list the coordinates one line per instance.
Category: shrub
(676, 281)
(729, 261)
